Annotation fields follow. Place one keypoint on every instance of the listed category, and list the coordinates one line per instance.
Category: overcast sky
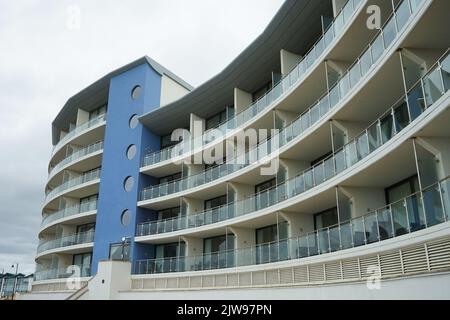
(50, 50)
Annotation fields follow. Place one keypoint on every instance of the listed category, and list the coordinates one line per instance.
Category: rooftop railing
(70, 211)
(297, 74)
(90, 149)
(406, 110)
(342, 88)
(74, 182)
(421, 210)
(77, 130)
(67, 241)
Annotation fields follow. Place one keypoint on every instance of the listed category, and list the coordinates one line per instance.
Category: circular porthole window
(136, 92)
(125, 218)
(134, 121)
(131, 152)
(128, 184)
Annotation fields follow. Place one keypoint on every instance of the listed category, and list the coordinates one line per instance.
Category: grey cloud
(43, 63)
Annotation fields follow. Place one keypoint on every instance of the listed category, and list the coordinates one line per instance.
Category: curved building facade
(316, 164)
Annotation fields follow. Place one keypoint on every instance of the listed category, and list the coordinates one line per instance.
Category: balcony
(354, 76)
(100, 120)
(421, 210)
(68, 212)
(61, 273)
(298, 73)
(72, 183)
(67, 241)
(89, 150)
(419, 98)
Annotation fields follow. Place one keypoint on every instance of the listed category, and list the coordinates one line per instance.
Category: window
(402, 189)
(216, 202)
(326, 219)
(218, 244)
(86, 228)
(320, 159)
(131, 152)
(270, 233)
(167, 179)
(169, 213)
(136, 92)
(267, 234)
(120, 251)
(97, 112)
(125, 218)
(166, 141)
(134, 121)
(170, 250)
(216, 120)
(265, 185)
(83, 260)
(262, 91)
(88, 203)
(128, 184)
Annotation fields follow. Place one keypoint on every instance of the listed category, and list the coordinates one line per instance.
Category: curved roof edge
(96, 94)
(295, 27)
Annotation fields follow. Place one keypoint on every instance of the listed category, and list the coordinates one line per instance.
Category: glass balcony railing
(77, 130)
(418, 211)
(319, 110)
(418, 99)
(70, 211)
(61, 273)
(90, 149)
(85, 178)
(72, 240)
(297, 74)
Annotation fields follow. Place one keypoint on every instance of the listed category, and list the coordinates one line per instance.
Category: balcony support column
(288, 61)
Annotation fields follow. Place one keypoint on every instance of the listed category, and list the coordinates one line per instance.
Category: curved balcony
(405, 111)
(100, 120)
(297, 128)
(76, 156)
(61, 273)
(297, 74)
(66, 213)
(418, 211)
(73, 183)
(67, 241)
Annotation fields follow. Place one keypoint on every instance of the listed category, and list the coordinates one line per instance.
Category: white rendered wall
(171, 90)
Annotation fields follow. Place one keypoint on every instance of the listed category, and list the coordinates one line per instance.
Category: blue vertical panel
(113, 199)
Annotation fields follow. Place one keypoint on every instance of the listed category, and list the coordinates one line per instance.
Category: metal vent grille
(300, 275)
(350, 269)
(367, 265)
(208, 282)
(196, 282)
(273, 277)
(316, 273)
(439, 255)
(220, 280)
(391, 264)
(259, 278)
(245, 279)
(415, 259)
(184, 282)
(286, 276)
(233, 280)
(333, 271)
(160, 283)
(172, 283)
